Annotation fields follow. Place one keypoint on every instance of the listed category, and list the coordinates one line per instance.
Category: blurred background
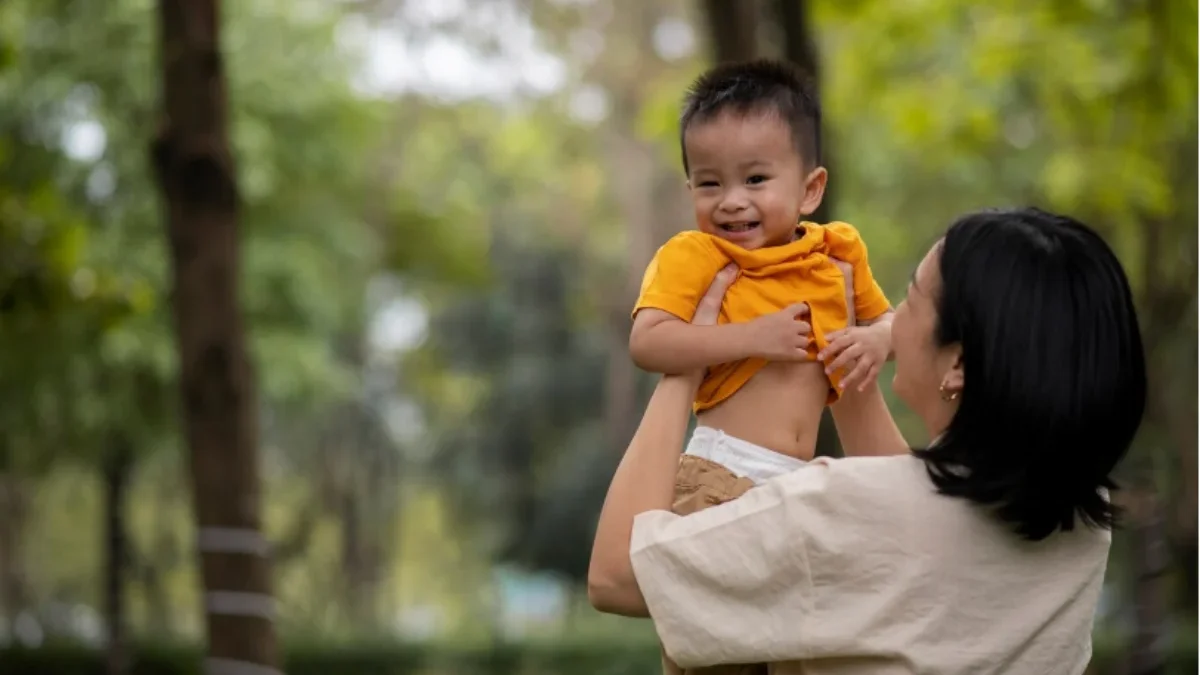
(447, 206)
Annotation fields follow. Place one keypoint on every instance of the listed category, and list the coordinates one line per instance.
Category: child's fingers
(872, 376)
(856, 375)
(797, 309)
(835, 346)
(848, 355)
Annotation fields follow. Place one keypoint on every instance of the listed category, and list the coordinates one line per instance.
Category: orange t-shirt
(770, 279)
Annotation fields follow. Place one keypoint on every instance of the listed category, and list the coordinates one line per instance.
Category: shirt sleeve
(797, 568)
(679, 274)
(844, 243)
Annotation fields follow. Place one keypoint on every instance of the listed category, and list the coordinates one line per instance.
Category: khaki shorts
(699, 484)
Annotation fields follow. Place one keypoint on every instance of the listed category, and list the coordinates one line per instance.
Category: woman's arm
(864, 424)
(645, 479)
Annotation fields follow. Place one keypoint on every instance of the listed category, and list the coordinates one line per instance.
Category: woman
(1018, 347)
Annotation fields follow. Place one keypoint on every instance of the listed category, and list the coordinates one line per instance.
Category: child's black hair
(760, 86)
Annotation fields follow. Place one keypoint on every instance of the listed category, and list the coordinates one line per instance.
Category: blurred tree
(544, 518)
(54, 308)
(541, 383)
(509, 374)
(732, 29)
(318, 227)
(195, 170)
(542, 209)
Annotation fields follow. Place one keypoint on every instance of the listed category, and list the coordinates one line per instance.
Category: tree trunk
(800, 48)
(116, 470)
(158, 610)
(359, 564)
(149, 567)
(732, 29)
(1168, 298)
(1151, 567)
(195, 170)
(14, 516)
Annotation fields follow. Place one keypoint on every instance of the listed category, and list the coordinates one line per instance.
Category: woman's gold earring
(947, 395)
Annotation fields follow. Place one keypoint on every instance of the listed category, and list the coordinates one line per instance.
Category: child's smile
(740, 230)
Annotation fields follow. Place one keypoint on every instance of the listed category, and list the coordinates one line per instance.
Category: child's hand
(781, 336)
(867, 347)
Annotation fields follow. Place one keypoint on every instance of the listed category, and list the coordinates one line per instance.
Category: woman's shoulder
(862, 489)
(870, 473)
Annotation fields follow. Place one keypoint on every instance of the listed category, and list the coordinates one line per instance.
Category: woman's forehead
(927, 277)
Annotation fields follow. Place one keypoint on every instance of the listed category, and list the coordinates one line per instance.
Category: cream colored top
(857, 565)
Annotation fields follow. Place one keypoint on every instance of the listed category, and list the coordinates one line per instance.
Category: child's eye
(707, 183)
(756, 179)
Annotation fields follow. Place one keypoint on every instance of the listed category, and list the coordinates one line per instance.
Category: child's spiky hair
(761, 86)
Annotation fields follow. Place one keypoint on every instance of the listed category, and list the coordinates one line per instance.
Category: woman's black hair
(1054, 372)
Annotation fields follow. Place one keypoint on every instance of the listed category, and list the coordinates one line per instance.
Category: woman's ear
(953, 380)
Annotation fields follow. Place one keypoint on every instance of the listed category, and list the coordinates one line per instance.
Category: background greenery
(447, 206)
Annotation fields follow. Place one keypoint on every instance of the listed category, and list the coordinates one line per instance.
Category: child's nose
(734, 200)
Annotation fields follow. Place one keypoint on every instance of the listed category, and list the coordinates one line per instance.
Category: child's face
(748, 182)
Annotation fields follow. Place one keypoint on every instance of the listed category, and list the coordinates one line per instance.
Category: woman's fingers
(709, 307)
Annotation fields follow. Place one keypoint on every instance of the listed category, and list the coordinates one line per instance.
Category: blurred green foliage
(500, 238)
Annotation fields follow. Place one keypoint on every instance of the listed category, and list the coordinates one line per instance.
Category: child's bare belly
(779, 408)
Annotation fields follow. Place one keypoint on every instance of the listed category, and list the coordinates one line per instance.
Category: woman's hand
(710, 305)
(709, 308)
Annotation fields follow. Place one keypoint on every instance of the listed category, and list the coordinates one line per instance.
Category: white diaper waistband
(741, 457)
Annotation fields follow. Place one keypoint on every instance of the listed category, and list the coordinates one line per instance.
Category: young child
(749, 135)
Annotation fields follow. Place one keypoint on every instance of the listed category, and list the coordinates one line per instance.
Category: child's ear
(814, 190)
(688, 183)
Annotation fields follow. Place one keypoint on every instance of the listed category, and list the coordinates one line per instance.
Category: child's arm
(866, 343)
(886, 317)
(663, 343)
